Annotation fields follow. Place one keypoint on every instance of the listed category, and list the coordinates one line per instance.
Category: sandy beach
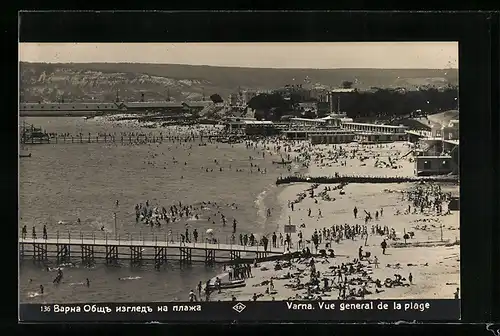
(431, 255)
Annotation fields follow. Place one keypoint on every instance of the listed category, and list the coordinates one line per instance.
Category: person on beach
(34, 233)
(24, 232)
(44, 232)
(207, 291)
(199, 286)
(355, 212)
(265, 241)
(218, 284)
(192, 296)
(375, 262)
(58, 277)
(410, 278)
(383, 245)
(42, 289)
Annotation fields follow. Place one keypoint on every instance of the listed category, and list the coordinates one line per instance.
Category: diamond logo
(239, 307)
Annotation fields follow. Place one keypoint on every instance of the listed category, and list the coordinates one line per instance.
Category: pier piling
(209, 257)
(87, 254)
(135, 255)
(185, 256)
(160, 256)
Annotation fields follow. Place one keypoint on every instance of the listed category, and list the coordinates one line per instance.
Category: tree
(347, 84)
(216, 98)
(269, 106)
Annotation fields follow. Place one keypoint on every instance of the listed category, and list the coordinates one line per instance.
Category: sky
(380, 55)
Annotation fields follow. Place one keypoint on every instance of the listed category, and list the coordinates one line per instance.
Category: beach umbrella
(210, 231)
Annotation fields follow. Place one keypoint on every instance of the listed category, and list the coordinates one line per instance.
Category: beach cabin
(259, 127)
(374, 137)
(331, 137)
(434, 165)
(240, 124)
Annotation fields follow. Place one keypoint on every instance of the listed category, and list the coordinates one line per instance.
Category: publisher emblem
(239, 307)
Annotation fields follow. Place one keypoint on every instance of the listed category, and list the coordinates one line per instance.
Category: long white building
(375, 128)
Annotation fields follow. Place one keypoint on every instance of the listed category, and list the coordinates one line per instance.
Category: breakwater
(364, 179)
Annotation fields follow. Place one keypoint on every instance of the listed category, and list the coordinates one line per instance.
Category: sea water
(61, 183)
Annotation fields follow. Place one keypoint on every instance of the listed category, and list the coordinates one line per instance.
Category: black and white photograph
(195, 172)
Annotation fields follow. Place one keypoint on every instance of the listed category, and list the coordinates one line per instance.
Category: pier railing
(150, 238)
(148, 138)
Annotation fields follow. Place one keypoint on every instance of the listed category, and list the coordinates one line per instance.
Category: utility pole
(116, 231)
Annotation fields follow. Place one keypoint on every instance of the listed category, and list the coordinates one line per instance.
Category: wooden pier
(88, 249)
(93, 138)
(116, 139)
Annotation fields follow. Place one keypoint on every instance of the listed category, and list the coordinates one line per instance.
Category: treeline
(377, 103)
(397, 103)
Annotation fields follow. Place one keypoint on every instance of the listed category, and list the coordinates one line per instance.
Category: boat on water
(25, 155)
(283, 162)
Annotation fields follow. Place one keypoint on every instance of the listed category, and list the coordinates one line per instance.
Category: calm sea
(61, 183)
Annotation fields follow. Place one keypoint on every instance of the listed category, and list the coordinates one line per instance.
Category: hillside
(101, 81)
(444, 118)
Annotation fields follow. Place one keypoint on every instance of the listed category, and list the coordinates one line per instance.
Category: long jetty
(116, 139)
(158, 248)
(364, 179)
